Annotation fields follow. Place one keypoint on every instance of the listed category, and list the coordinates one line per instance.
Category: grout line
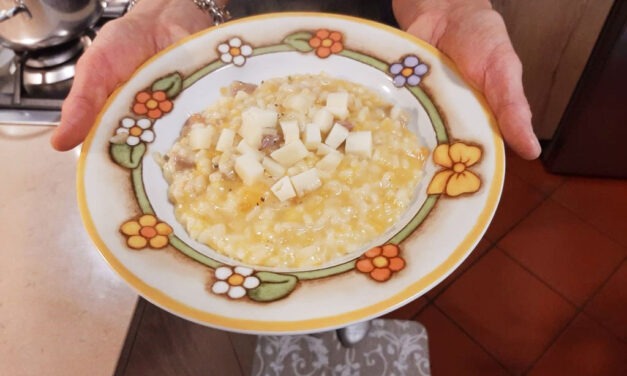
(578, 309)
(463, 330)
(539, 278)
(596, 292)
(585, 220)
(450, 283)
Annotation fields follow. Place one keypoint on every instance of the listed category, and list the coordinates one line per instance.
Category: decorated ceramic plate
(127, 206)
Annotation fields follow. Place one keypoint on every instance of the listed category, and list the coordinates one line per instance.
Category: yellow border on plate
(255, 326)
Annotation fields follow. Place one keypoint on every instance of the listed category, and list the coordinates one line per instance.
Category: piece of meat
(181, 163)
(193, 119)
(270, 142)
(346, 124)
(242, 86)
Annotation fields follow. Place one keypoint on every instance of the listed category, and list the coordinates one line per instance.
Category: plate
(123, 200)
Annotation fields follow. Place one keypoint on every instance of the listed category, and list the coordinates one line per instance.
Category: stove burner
(49, 72)
(34, 84)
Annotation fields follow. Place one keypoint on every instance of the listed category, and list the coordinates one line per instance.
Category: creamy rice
(352, 203)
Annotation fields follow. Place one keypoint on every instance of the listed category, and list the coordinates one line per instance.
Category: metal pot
(35, 24)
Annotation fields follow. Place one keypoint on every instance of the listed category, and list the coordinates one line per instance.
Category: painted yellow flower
(146, 231)
(455, 179)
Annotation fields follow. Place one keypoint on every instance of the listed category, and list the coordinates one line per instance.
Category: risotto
(294, 172)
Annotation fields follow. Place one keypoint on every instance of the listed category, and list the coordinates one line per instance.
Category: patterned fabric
(392, 347)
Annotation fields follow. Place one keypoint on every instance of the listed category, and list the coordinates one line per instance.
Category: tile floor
(545, 292)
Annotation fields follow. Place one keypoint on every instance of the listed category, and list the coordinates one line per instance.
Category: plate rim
(401, 297)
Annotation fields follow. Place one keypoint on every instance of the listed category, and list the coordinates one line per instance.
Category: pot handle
(19, 7)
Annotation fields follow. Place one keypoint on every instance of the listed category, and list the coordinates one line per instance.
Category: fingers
(476, 39)
(121, 46)
(504, 92)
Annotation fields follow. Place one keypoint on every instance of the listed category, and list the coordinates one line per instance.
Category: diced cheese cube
(324, 149)
(252, 134)
(306, 181)
(324, 119)
(337, 135)
(260, 117)
(330, 161)
(243, 148)
(248, 168)
(225, 141)
(290, 153)
(312, 137)
(300, 102)
(283, 189)
(291, 131)
(359, 143)
(254, 120)
(337, 104)
(272, 167)
(201, 137)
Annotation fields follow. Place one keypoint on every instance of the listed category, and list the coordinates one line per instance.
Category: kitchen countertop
(63, 311)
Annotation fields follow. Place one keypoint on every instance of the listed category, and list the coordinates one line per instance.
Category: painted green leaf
(299, 41)
(273, 287)
(172, 84)
(126, 155)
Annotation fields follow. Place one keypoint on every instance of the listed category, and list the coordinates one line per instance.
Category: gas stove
(34, 84)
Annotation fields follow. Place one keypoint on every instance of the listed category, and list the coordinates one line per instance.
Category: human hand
(475, 37)
(120, 47)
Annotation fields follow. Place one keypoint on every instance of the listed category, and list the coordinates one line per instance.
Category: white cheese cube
(252, 134)
(272, 167)
(225, 141)
(324, 119)
(283, 189)
(312, 137)
(337, 104)
(243, 148)
(330, 162)
(290, 153)
(300, 102)
(291, 131)
(248, 169)
(359, 143)
(201, 137)
(324, 149)
(306, 181)
(254, 120)
(260, 117)
(337, 135)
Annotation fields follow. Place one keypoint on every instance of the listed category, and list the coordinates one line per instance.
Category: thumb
(104, 65)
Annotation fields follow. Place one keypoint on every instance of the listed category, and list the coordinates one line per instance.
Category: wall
(553, 39)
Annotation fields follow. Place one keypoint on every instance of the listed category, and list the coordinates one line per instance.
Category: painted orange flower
(146, 231)
(152, 104)
(455, 179)
(381, 262)
(326, 42)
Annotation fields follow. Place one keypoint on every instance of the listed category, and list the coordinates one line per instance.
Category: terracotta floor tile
(452, 352)
(564, 251)
(533, 172)
(506, 309)
(609, 306)
(479, 250)
(583, 349)
(518, 199)
(408, 311)
(601, 202)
